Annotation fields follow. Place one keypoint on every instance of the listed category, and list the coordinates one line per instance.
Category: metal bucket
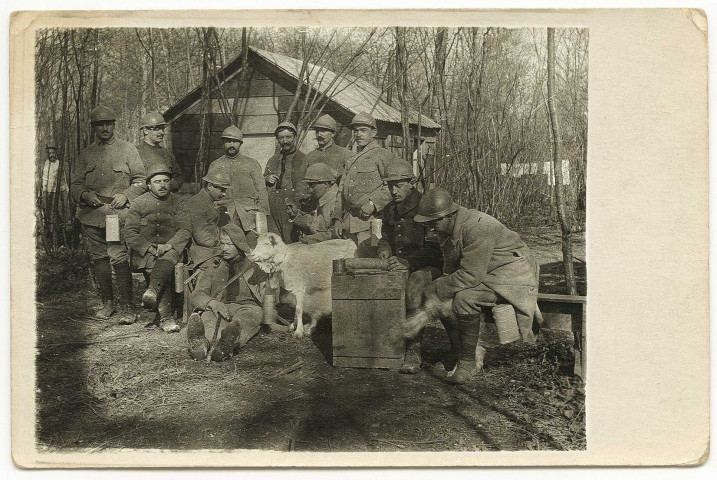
(506, 323)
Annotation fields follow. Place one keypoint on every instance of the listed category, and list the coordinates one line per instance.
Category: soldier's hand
(119, 200)
(91, 199)
(367, 209)
(272, 179)
(219, 309)
(291, 209)
(384, 254)
(395, 263)
(163, 248)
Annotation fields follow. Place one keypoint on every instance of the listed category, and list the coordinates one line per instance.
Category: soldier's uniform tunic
(316, 224)
(107, 169)
(198, 218)
(155, 154)
(360, 184)
(334, 156)
(247, 192)
(290, 168)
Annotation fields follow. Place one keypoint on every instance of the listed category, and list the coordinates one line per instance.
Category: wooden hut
(265, 94)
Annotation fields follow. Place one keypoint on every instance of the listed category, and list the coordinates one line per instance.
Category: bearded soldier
(107, 175)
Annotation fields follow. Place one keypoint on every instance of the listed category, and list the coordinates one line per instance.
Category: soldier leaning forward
(283, 176)
(363, 193)
(314, 225)
(152, 233)
(230, 290)
(247, 193)
(107, 175)
(484, 265)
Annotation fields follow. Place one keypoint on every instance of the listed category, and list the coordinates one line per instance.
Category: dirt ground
(101, 385)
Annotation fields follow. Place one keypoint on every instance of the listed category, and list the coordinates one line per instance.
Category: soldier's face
(286, 139)
(105, 130)
(231, 147)
(216, 192)
(318, 189)
(154, 134)
(363, 135)
(324, 137)
(52, 155)
(442, 226)
(400, 190)
(229, 250)
(159, 185)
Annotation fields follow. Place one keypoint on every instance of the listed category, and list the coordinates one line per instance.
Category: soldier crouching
(230, 291)
(152, 233)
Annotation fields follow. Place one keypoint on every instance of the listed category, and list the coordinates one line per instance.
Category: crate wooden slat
(364, 309)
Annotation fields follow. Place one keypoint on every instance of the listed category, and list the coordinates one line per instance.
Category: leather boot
(103, 276)
(471, 359)
(454, 352)
(162, 272)
(166, 316)
(125, 312)
(198, 343)
(228, 340)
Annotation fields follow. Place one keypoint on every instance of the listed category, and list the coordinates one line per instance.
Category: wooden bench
(575, 306)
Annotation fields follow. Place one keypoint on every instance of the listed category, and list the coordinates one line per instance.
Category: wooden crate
(364, 308)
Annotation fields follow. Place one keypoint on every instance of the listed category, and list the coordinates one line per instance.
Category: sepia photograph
(317, 239)
(323, 238)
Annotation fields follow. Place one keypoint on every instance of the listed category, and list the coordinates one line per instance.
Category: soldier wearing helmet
(363, 193)
(283, 175)
(200, 217)
(328, 152)
(247, 193)
(485, 264)
(152, 233)
(314, 225)
(152, 151)
(107, 175)
(403, 242)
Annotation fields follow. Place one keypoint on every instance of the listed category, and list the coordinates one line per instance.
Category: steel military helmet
(217, 175)
(233, 132)
(436, 203)
(102, 114)
(285, 126)
(152, 119)
(156, 169)
(326, 122)
(398, 170)
(319, 172)
(363, 118)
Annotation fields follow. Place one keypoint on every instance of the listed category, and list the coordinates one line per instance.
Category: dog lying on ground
(304, 273)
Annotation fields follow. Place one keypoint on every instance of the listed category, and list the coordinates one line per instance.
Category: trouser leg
(162, 273)
(103, 276)
(123, 275)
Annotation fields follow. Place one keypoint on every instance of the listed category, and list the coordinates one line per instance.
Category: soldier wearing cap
(403, 242)
(50, 185)
(485, 264)
(152, 151)
(247, 192)
(363, 193)
(283, 174)
(314, 225)
(328, 152)
(199, 217)
(107, 175)
(232, 288)
(152, 233)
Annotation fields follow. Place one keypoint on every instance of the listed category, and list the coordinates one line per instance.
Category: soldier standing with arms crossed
(108, 174)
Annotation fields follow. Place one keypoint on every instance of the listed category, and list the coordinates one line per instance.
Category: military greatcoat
(155, 154)
(247, 191)
(198, 218)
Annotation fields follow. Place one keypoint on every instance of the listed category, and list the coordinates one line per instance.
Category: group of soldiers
(467, 256)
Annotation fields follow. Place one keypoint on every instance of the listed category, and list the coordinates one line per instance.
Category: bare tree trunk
(242, 77)
(401, 66)
(559, 192)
